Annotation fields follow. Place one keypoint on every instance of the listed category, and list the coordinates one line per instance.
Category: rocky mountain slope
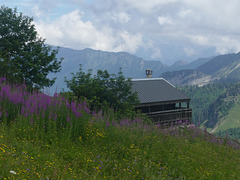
(187, 77)
(220, 68)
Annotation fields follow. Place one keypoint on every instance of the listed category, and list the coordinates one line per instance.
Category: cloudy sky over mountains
(137, 26)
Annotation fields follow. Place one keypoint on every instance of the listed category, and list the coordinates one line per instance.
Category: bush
(111, 90)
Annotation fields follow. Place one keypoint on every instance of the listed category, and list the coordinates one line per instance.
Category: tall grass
(51, 138)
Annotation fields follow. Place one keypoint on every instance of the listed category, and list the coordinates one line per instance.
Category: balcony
(171, 116)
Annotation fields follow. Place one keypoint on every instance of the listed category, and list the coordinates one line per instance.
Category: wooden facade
(167, 112)
(161, 101)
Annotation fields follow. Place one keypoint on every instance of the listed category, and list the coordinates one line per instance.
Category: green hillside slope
(232, 120)
(215, 104)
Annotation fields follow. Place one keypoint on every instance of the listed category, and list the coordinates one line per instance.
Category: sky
(166, 30)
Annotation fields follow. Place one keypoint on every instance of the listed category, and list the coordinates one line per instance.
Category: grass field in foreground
(118, 153)
(43, 137)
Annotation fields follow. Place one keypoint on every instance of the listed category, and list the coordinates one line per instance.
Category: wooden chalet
(161, 101)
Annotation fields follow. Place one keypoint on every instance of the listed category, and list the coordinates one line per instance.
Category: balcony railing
(169, 116)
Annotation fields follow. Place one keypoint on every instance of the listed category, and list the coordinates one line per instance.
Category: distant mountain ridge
(220, 68)
(224, 66)
(131, 65)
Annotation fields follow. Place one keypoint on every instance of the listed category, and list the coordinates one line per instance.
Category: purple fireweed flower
(32, 110)
(121, 123)
(68, 119)
(55, 95)
(99, 115)
(55, 117)
(80, 106)
(137, 121)
(0, 114)
(78, 114)
(67, 104)
(113, 123)
(145, 126)
(5, 92)
(23, 86)
(93, 113)
(73, 107)
(107, 124)
(22, 110)
(87, 110)
(26, 115)
(2, 79)
(220, 141)
(198, 124)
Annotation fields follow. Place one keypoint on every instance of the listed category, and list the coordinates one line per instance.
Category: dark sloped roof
(154, 90)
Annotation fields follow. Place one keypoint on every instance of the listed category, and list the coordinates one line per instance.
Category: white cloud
(121, 17)
(36, 11)
(128, 25)
(226, 45)
(147, 6)
(156, 54)
(199, 39)
(185, 13)
(71, 31)
(165, 20)
(189, 51)
(129, 42)
(223, 44)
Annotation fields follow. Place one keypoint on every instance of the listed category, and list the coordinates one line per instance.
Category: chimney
(149, 73)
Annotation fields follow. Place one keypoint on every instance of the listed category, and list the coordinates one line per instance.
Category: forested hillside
(212, 102)
(233, 133)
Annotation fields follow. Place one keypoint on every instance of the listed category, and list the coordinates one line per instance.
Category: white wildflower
(13, 172)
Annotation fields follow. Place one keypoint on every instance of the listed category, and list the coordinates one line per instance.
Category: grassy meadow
(43, 137)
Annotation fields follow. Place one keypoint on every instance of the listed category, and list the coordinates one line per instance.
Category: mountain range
(131, 65)
(199, 72)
